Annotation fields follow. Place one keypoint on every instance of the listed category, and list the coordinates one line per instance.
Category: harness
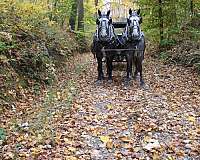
(126, 39)
(113, 37)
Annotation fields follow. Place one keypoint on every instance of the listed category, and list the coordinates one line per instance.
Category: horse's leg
(99, 68)
(136, 70)
(109, 68)
(129, 66)
(136, 66)
(139, 64)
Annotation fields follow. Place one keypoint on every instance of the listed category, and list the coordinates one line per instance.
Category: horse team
(130, 43)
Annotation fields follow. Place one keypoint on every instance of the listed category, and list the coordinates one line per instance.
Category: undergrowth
(184, 48)
(31, 49)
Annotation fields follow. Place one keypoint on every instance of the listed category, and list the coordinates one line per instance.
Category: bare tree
(191, 7)
(96, 3)
(160, 16)
(73, 15)
(81, 15)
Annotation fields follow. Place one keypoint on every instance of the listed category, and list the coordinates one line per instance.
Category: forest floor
(78, 119)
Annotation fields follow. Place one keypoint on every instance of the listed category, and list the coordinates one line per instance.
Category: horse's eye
(97, 22)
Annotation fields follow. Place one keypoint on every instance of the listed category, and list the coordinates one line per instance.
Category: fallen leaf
(147, 139)
(72, 149)
(180, 153)
(95, 154)
(125, 139)
(154, 144)
(156, 156)
(71, 158)
(9, 155)
(104, 139)
(136, 149)
(58, 95)
(66, 151)
(67, 141)
(109, 145)
(19, 139)
(191, 119)
(35, 151)
(127, 146)
(109, 106)
(170, 158)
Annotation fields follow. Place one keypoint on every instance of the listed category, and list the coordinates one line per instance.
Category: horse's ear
(99, 13)
(108, 13)
(138, 12)
(130, 11)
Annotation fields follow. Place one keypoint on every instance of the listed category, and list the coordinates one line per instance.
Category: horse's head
(104, 23)
(133, 25)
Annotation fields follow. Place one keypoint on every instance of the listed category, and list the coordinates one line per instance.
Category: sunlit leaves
(105, 139)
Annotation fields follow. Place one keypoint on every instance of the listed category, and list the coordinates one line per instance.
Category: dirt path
(110, 121)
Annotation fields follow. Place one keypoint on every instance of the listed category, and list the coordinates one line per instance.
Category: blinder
(133, 26)
(104, 29)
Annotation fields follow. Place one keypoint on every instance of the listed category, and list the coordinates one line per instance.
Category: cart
(119, 13)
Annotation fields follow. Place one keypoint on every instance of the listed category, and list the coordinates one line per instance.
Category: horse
(134, 42)
(104, 38)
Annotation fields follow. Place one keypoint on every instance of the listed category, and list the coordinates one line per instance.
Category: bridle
(133, 23)
(104, 23)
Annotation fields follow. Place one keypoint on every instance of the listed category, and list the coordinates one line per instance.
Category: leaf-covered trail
(110, 121)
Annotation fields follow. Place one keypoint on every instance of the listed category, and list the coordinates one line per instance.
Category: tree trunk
(160, 16)
(50, 9)
(80, 16)
(73, 15)
(191, 7)
(96, 3)
(174, 16)
(54, 9)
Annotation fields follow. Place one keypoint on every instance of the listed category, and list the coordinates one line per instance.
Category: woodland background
(33, 32)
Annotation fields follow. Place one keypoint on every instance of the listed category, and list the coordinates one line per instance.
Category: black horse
(104, 38)
(134, 39)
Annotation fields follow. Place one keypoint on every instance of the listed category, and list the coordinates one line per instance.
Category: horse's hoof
(110, 81)
(98, 82)
(127, 79)
(142, 84)
(145, 86)
(126, 82)
(136, 77)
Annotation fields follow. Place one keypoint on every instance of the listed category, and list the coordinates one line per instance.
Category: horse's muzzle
(104, 39)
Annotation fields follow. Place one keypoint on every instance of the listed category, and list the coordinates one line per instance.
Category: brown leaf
(109, 145)
(125, 139)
